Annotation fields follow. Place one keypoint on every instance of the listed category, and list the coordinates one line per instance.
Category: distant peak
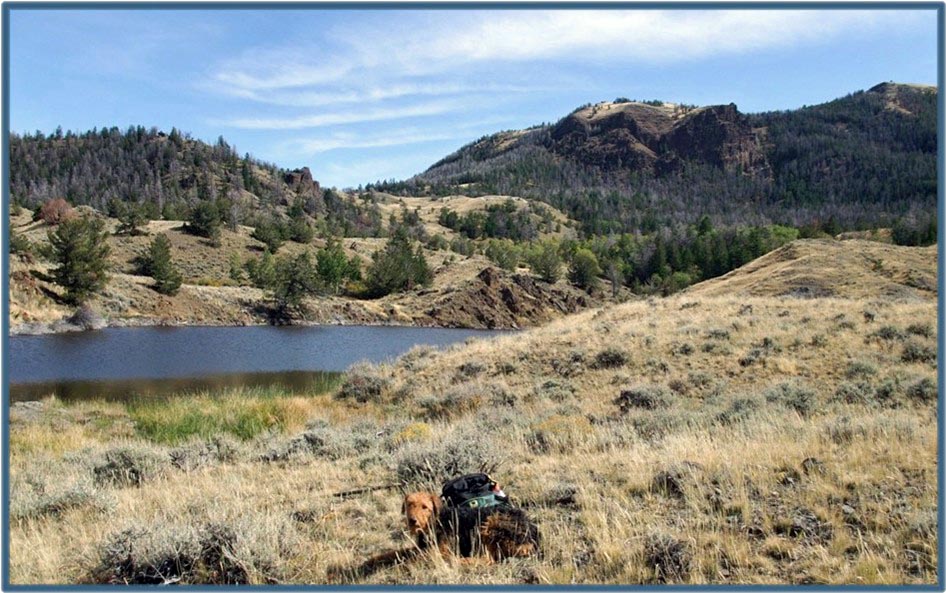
(893, 87)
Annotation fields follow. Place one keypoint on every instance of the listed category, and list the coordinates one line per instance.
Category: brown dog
(422, 516)
(495, 532)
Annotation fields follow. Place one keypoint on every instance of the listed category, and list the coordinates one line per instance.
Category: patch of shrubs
(794, 395)
(610, 358)
(921, 329)
(211, 553)
(682, 349)
(739, 409)
(570, 365)
(323, 440)
(717, 334)
(923, 390)
(646, 397)
(54, 498)
(364, 382)
(888, 333)
(193, 456)
(129, 466)
(669, 558)
(859, 369)
(914, 351)
(860, 392)
(464, 451)
(555, 390)
(470, 369)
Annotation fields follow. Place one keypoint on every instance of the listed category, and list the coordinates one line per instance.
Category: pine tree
(79, 245)
(332, 266)
(167, 280)
(294, 279)
(398, 267)
(131, 218)
(204, 221)
(545, 261)
(584, 269)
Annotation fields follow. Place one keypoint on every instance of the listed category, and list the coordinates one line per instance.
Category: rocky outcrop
(301, 182)
(494, 300)
(659, 139)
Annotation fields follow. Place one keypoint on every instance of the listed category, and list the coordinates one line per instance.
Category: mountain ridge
(863, 160)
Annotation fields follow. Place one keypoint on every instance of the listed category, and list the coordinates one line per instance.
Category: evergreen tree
(584, 269)
(79, 246)
(295, 278)
(131, 218)
(167, 280)
(545, 261)
(204, 221)
(332, 266)
(398, 267)
(270, 231)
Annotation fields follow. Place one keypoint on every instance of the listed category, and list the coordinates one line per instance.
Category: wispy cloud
(401, 136)
(376, 93)
(451, 40)
(354, 115)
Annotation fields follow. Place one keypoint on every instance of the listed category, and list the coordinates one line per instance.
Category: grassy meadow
(690, 439)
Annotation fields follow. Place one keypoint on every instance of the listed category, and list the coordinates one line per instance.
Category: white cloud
(394, 90)
(394, 137)
(353, 115)
(444, 42)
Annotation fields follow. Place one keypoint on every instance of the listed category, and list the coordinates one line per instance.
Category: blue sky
(362, 95)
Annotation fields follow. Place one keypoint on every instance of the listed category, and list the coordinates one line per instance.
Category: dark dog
(498, 532)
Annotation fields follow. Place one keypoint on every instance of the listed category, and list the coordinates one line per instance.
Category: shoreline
(63, 326)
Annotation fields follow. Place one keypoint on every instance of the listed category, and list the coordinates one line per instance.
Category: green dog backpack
(473, 491)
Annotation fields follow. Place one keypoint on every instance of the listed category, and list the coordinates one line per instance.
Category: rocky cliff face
(659, 139)
(301, 182)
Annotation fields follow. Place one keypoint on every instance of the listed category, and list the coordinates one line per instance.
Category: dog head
(420, 511)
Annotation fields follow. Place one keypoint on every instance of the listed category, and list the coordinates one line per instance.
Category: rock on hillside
(496, 300)
(813, 268)
(659, 139)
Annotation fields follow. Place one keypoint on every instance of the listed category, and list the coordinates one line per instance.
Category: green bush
(610, 358)
(428, 465)
(295, 278)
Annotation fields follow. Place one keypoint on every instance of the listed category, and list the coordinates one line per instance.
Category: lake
(120, 362)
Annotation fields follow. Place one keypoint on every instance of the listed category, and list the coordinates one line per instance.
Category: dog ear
(438, 504)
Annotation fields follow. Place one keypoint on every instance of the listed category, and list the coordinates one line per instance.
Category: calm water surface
(118, 362)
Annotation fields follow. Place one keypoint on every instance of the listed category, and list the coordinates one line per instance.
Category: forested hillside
(862, 161)
(167, 176)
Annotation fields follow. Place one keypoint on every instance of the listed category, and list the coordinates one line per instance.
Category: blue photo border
(8, 7)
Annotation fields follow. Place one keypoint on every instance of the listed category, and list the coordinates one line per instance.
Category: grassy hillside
(729, 434)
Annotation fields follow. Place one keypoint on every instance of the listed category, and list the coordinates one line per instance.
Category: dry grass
(732, 460)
